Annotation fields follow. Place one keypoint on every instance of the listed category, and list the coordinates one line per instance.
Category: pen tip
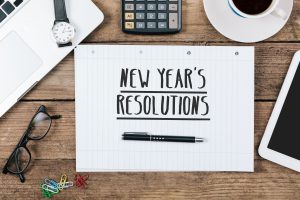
(199, 140)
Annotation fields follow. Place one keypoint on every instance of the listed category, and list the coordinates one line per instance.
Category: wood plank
(58, 84)
(196, 27)
(56, 153)
(271, 64)
(270, 181)
(60, 142)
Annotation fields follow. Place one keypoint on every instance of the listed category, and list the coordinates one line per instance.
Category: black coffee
(252, 7)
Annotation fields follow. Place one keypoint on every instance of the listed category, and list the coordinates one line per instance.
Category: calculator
(151, 16)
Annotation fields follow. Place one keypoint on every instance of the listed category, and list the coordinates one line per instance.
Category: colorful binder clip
(62, 182)
(46, 194)
(65, 186)
(50, 188)
(80, 181)
(51, 182)
(68, 184)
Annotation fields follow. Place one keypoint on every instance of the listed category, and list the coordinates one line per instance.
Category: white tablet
(281, 141)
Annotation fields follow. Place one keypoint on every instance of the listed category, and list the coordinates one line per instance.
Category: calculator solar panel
(151, 16)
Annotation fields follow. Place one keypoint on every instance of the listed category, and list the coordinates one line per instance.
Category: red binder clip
(80, 181)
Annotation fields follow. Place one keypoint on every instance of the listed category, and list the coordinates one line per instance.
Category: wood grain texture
(269, 182)
(271, 64)
(59, 84)
(196, 27)
(60, 141)
(56, 153)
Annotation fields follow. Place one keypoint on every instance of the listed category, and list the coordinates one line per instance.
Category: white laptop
(28, 50)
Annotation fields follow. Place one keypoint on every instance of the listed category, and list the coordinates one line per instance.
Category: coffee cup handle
(279, 13)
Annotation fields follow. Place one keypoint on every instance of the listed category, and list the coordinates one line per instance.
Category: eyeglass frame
(25, 139)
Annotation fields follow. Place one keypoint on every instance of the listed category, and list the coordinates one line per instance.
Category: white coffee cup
(272, 10)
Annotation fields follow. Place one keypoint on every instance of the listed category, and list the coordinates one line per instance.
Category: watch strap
(65, 45)
(60, 11)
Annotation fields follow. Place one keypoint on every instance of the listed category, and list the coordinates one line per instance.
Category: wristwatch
(63, 32)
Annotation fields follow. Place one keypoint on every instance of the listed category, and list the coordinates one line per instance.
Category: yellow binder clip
(62, 182)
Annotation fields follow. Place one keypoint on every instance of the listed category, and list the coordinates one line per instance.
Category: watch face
(63, 32)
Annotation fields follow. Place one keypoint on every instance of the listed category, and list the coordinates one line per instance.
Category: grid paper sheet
(206, 92)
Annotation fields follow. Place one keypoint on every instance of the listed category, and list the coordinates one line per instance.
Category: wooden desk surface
(56, 153)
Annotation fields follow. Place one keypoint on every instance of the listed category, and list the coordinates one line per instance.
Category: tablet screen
(286, 135)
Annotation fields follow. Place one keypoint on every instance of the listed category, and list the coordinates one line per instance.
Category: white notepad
(206, 92)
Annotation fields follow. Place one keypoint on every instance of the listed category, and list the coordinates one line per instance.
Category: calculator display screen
(286, 135)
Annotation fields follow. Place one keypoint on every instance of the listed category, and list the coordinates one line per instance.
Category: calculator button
(129, 25)
(17, 3)
(140, 6)
(173, 7)
(173, 20)
(8, 7)
(140, 16)
(162, 24)
(129, 16)
(162, 15)
(162, 6)
(2, 15)
(140, 25)
(151, 25)
(151, 7)
(129, 6)
(151, 15)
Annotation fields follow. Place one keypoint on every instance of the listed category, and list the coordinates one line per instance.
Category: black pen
(143, 136)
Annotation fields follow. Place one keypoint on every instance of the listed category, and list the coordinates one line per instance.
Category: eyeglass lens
(40, 125)
(19, 160)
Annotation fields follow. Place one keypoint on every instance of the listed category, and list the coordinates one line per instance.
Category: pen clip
(135, 133)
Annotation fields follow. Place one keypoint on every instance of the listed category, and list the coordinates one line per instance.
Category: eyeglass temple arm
(55, 117)
(22, 178)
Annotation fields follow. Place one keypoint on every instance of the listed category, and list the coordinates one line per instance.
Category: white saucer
(244, 30)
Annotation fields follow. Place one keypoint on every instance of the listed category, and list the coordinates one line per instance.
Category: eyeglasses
(37, 129)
